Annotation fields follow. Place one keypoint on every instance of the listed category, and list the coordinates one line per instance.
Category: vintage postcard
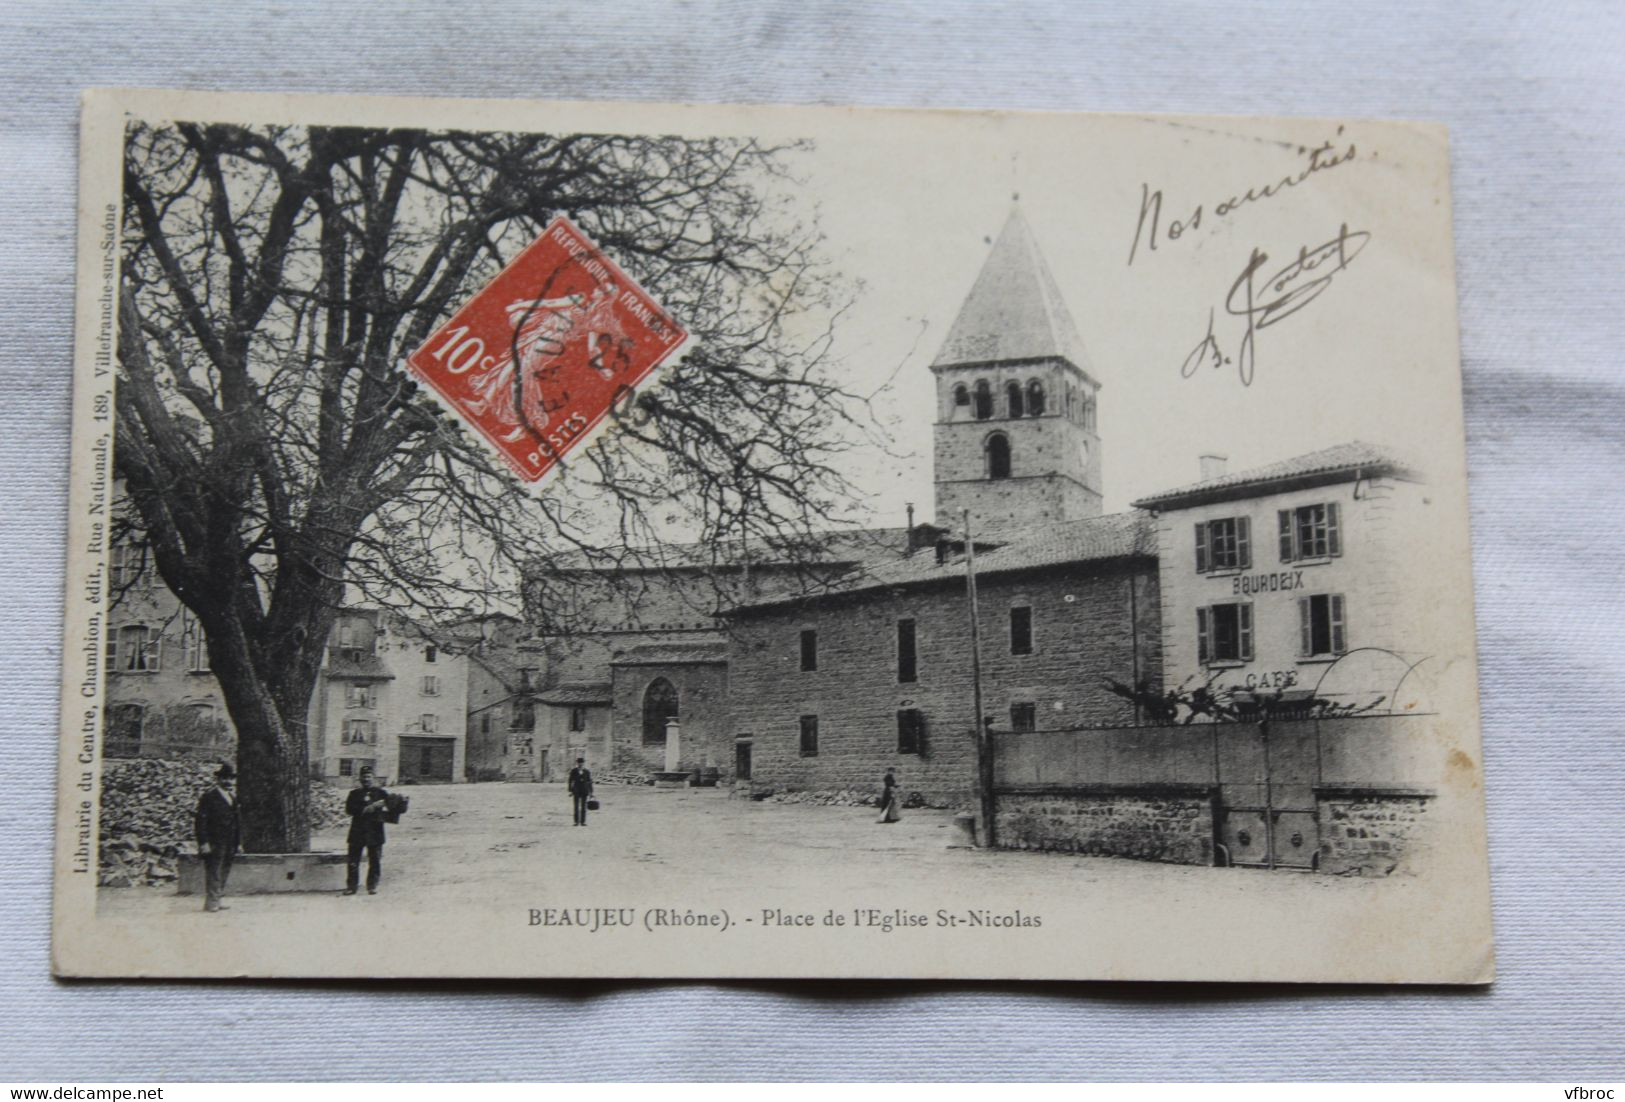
(634, 540)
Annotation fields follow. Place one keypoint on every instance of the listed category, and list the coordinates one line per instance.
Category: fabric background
(1535, 98)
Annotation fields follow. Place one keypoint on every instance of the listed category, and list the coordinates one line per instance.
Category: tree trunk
(273, 774)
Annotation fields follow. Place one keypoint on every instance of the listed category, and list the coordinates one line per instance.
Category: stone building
(390, 696)
(1292, 577)
(1015, 439)
(827, 691)
(625, 641)
(162, 699)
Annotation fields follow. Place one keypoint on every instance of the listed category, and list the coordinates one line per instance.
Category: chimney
(1213, 466)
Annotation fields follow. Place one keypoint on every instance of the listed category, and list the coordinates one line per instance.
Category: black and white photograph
(613, 540)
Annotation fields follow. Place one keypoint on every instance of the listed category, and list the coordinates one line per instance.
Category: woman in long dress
(888, 799)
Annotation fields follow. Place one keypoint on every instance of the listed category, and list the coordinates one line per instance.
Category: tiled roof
(353, 662)
(1119, 535)
(1326, 464)
(580, 692)
(850, 545)
(671, 654)
(1014, 310)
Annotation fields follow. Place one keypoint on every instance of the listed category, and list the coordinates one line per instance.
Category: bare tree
(278, 459)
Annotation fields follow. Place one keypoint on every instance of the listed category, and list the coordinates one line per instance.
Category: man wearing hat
(580, 785)
(367, 806)
(219, 830)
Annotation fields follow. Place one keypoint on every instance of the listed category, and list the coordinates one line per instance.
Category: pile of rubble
(846, 797)
(146, 816)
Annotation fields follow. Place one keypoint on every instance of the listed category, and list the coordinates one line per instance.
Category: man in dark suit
(580, 789)
(218, 830)
(366, 807)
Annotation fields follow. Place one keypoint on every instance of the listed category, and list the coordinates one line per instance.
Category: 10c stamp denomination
(536, 360)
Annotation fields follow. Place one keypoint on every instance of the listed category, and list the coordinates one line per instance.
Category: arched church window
(997, 451)
(961, 395)
(1012, 399)
(984, 400)
(1035, 398)
(659, 707)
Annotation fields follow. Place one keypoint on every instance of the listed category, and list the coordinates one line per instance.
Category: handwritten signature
(1284, 294)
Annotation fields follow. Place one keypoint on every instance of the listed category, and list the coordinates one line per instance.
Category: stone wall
(1172, 824)
(1368, 832)
(705, 738)
(1082, 633)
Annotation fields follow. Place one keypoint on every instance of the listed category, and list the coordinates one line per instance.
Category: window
(196, 646)
(346, 634)
(961, 395)
(1320, 625)
(523, 717)
(139, 650)
(660, 706)
(809, 736)
(1035, 399)
(1021, 629)
(1088, 413)
(358, 694)
(578, 717)
(429, 723)
(485, 723)
(359, 731)
(1224, 633)
(1309, 532)
(125, 563)
(809, 650)
(997, 454)
(984, 400)
(911, 731)
(1013, 400)
(431, 685)
(1225, 544)
(430, 653)
(124, 723)
(907, 658)
(1024, 716)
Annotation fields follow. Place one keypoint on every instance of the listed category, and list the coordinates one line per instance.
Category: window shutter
(1244, 543)
(1336, 603)
(1334, 538)
(1244, 631)
(112, 652)
(1201, 548)
(1202, 647)
(1284, 519)
(155, 650)
(1306, 636)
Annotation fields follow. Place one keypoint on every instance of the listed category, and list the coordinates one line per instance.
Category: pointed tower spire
(1015, 437)
(1014, 310)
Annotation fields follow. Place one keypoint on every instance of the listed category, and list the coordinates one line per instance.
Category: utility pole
(984, 739)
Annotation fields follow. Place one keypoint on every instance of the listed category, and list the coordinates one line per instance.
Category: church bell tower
(1015, 437)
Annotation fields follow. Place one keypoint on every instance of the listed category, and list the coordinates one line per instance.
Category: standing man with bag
(580, 790)
(366, 807)
(218, 830)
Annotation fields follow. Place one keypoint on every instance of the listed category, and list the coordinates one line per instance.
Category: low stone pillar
(674, 738)
(963, 835)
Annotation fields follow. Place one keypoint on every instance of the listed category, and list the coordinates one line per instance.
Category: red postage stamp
(537, 359)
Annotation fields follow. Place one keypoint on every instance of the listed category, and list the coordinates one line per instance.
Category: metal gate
(1266, 814)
